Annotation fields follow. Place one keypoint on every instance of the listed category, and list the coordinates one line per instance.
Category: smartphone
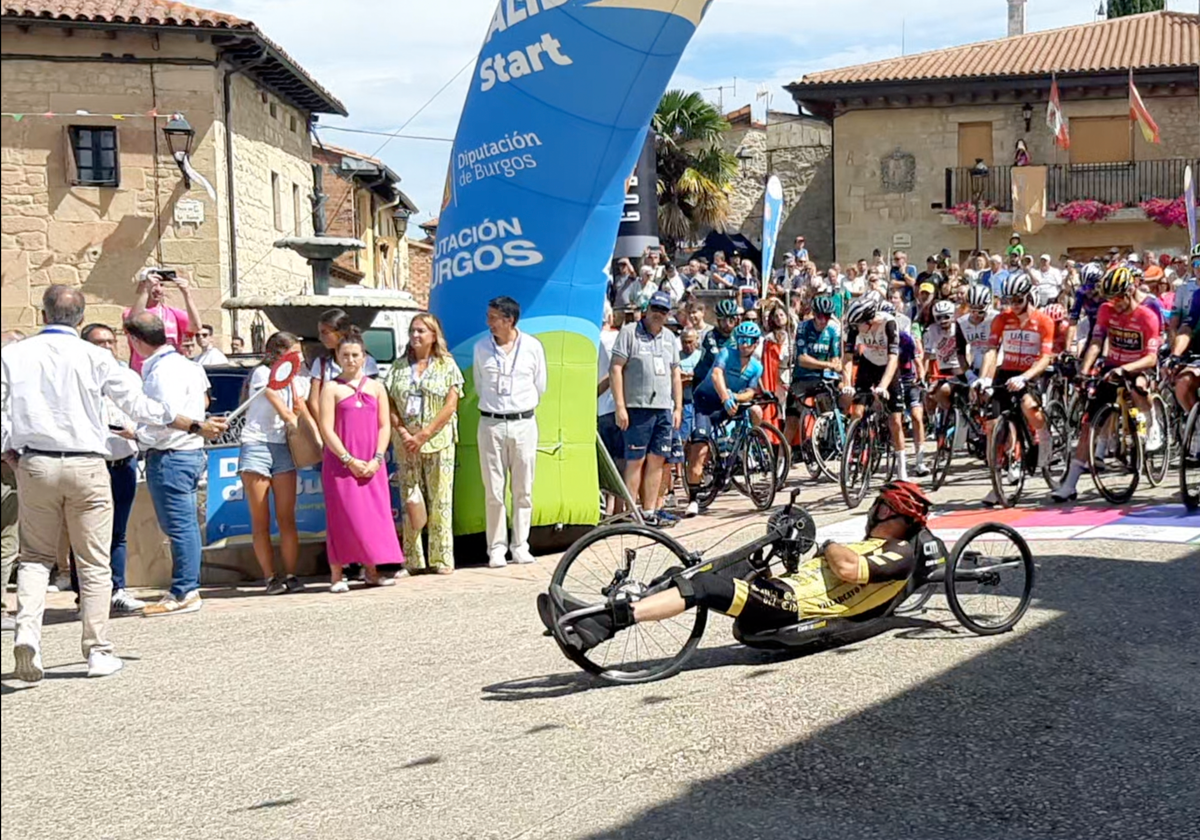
(167, 275)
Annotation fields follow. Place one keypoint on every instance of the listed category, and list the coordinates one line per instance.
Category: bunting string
(152, 114)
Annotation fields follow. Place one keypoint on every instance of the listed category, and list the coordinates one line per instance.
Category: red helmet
(908, 500)
(1056, 312)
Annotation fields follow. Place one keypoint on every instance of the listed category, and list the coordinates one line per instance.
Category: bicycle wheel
(1157, 462)
(1189, 461)
(989, 579)
(828, 442)
(633, 559)
(711, 477)
(855, 473)
(914, 602)
(1056, 469)
(758, 469)
(783, 453)
(1114, 454)
(946, 422)
(1005, 461)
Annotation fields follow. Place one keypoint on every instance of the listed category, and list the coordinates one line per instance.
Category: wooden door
(974, 143)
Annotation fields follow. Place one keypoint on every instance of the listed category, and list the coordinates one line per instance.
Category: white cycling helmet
(1017, 285)
(943, 309)
(979, 296)
(864, 309)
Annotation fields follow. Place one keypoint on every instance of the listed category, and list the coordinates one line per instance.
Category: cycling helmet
(1017, 285)
(864, 309)
(887, 308)
(822, 305)
(747, 332)
(727, 308)
(943, 309)
(1056, 312)
(908, 500)
(1118, 281)
(1090, 274)
(979, 296)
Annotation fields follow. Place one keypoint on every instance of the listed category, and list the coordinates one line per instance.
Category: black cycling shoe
(582, 634)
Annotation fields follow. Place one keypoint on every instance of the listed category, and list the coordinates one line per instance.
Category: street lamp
(1027, 113)
(400, 217)
(979, 176)
(180, 134)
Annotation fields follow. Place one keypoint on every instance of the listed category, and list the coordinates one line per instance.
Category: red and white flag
(1056, 119)
(1139, 114)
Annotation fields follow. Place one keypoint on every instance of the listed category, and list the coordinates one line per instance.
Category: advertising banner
(553, 124)
(639, 221)
(772, 219)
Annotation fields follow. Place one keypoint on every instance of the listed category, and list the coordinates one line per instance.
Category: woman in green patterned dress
(425, 386)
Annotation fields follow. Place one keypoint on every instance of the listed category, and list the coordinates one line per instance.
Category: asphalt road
(436, 709)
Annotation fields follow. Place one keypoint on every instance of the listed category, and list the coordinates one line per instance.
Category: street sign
(901, 240)
(189, 211)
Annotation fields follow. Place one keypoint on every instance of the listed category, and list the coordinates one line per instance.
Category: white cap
(1046, 257)
(1134, 258)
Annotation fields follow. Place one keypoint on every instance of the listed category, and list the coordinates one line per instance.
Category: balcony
(1127, 184)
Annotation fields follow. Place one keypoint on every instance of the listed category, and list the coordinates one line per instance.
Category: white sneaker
(29, 663)
(497, 561)
(125, 604)
(920, 470)
(991, 499)
(522, 557)
(101, 663)
(61, 583)
(693, 508)
(1154, 439)
(1013, 476)
(341, 586)
(170, 605)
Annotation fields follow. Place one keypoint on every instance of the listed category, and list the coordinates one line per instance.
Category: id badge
(504, 384)
(660, 366)
(414, 405)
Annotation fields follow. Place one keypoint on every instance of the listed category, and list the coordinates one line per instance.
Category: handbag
(414, 508)
(303, 436)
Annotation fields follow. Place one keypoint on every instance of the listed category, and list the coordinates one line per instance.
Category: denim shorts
(266, 459)
(611, 436)
(649, 432)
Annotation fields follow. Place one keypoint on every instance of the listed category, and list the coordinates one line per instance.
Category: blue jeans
(173, 478)
(123, 478)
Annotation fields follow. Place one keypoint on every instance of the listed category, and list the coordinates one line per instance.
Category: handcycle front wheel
(989, 579)
(635, 560)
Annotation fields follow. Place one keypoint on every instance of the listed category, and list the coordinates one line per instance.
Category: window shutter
(69, 167)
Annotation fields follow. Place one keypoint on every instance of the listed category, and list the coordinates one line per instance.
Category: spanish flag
(1139, 114)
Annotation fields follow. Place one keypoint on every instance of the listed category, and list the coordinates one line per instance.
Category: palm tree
(694, 172)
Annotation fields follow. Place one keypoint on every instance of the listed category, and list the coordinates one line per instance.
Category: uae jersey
(1022, 342)
(872, 343)
(977, 337)
(945, 345)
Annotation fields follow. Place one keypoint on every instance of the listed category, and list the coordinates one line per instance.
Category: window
(274, 111)
(292, 123)
(93, 159)
(974, 142)
(297, 213)
(1100, 139)
(276, 203)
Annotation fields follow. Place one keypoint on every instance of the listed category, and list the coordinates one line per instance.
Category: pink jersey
(175, 322)
(1131, 335)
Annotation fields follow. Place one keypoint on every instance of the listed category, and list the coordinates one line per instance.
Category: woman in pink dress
(358, 505)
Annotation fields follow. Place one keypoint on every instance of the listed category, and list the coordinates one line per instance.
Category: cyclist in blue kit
(818, 360)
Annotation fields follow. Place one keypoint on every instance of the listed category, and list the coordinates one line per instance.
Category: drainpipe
(231, 208)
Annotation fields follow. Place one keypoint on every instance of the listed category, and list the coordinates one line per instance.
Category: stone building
(363, 200)
(91, 193)
(796, 148)
(907, 130)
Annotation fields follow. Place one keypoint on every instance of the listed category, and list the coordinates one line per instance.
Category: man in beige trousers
(53, 431)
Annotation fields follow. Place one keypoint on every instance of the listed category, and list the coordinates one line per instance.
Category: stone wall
(797, 149)
(420, 271)
(868, 216)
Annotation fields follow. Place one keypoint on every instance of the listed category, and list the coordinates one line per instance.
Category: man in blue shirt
(800, 251)
(995, 275)
(904, 276)
(716, 339)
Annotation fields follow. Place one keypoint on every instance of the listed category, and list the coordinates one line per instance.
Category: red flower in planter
(1086, 210)
(964, 214)
(1167, 212)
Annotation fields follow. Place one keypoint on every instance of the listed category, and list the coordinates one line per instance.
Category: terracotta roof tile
(1152, 40)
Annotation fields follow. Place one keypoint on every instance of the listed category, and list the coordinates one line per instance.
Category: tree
(694, 172)
(1122, 8)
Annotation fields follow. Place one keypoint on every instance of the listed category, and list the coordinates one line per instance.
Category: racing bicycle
(741, 455)
(961, 422)
(1013, 448)
(868, 449)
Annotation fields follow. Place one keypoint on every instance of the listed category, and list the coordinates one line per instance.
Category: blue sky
(385, 60)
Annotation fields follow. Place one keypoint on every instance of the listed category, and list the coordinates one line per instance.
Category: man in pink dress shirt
(179, 323)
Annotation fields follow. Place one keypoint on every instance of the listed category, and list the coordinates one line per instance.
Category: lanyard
(414, 381)
(59, 329)
(499, 357)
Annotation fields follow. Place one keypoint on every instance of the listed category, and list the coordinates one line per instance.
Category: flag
(1055, 118)
(1139, 114)
(772, 219)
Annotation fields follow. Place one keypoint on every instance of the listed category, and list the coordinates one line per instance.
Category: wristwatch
(346, 458)
(195, 428)
(379, 458)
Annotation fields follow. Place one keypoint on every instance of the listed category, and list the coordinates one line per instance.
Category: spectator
(237, 344)
(995, 275)
(266, 465)
(61, 470)
(672, 284)
(178, 323)
(356, 428)
(923, 311)
(606, 407)
(648, 287)
(210, 354)
(174, 459)
(721, 275)
(1021, 154)
(903, 276)
(648, 390)
(425, 387)
(695, 276)
(188, 348)
(510, 378)
(9, 542)
(800, 250)
(333, 326)
(625, 286)
(748, 285)
(1015, 249)
(121, 457)
(1048, 280)
(652, 259)
(856, 283)
(689, 357)
(932, 273)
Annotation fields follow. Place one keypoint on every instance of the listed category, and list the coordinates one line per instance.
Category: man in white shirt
(209, 355)
(510, 378)
(53, 415)
(174, 460)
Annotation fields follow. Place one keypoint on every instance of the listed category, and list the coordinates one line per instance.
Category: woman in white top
(266, 465)
(332, 327)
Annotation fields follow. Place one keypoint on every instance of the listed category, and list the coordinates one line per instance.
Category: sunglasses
(747, 342)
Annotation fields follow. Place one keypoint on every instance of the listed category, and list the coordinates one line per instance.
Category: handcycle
(987, 577)
(961, 421)
(1013, 448)
(739, 454)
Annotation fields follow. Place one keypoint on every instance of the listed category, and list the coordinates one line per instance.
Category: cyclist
(734, 379)
(1087, 302)
(1025, 337)
(1133, 333)
(946, 345)
(911, 373)
(1185, 294)
(1057, 313)
(718, 338)
(818, 359)
(835, 581)
(976, 327)
(872, 350)
(1187, 380)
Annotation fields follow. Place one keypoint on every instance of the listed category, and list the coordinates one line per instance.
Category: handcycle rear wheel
(629, 558)
(1122, 460)
(989, 579)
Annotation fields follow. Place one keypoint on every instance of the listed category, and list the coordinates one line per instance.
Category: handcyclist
(1025, 337)
(718, 338)
(1133, 333)
(872, 349)
(835, 581)
(818, 360)
(733, 380)
(946, 346)
(976, 327)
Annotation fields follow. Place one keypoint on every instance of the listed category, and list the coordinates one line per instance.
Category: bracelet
(346, 458)
(379, 458)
